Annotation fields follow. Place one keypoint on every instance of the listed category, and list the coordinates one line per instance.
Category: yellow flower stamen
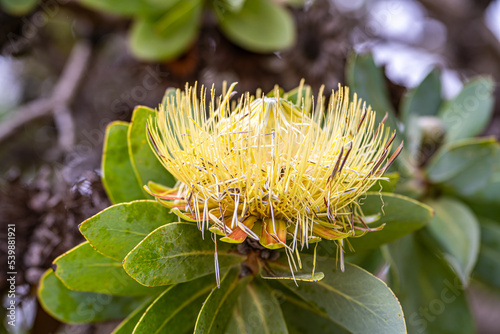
(269, 169)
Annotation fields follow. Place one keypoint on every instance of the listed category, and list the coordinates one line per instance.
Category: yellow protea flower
(267, 169)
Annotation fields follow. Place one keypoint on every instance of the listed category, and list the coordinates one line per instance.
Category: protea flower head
(267, 169)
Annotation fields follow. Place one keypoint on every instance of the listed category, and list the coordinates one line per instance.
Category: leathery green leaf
(146, 165)
(486, 200)
(81, 307)
(470, 111)
(431, 293)
(257, 311)
(115, 231)
(423, 100)
(217, 309)
(259, 26)
(176, 253)
(175, 310)
(345, 297)
(79, 267)
(18, 7)
(118, 176)
(370, 260)
(167, 37)
(367, 80)
(400, 214)
(128, 324)
(386, 186)
(456, 230)
(301, 317)
(488, 263)
(466, 167)
(300, 97)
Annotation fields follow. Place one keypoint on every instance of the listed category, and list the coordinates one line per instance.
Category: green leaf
(260, 26)
(18, 7)
(469, 112)
(486, 200)
(349, 296)
(302, 318)
(170, 96)
(169, 36)
(367, 81)
(120, 7)
(231, 5)
(488, 263)
(456, 230)
(79, 267)
(81, 307)
(146, 165)
(216, 310)
(128, 324)
(297, 96)
(159, 4)
(370, 260)
(115, 231)
(176, 253)
(130, 8)
(118, 176)
(423, 100)
(386, 186)
(175, 310)
(400, 214)
(464, 168)
(257, 311)
(431, 294)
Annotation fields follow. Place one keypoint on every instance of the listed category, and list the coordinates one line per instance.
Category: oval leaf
(257, 311)
(488, 263)
(176, 253)
(118, 176)
(259, 26)
(216, 311)
(120, 7)
(18, 7)
(115, 231)
(486, 200)
(302, 318)
(346, 297)
(146, 165)
(128, 324)
(423, 100)
(175, 310)
(79, 267)
(470, 111)
(386, 186)
(367, 80)
(168, 37)
(456, 230)
(465, 167)
(432, 295)
(81, 307)
(400, 214)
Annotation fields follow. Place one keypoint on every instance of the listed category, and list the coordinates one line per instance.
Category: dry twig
(56, 105)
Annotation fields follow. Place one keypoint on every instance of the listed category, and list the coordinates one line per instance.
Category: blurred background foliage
(69, 67)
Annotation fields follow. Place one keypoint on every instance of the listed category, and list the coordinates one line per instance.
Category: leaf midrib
(328, 287)
(258, 304)
(182, 306)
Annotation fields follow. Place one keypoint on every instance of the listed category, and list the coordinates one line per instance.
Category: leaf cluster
(163, 30)
(141, 263)
(445, 166)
